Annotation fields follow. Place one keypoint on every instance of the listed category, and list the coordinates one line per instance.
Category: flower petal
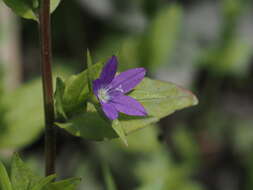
(129, 106)
(96, 86)
(109, 70)
(127, 80)
(110, 111)
(114, 94)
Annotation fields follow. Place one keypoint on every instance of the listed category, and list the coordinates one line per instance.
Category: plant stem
(46, 56)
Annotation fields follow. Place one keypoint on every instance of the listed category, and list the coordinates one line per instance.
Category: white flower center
(103, 95)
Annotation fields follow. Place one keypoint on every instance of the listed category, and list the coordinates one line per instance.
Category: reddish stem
(46, 55)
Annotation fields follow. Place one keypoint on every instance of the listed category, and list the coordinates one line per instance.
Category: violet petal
(129, 106)
(110, 111)
(127, 80)
(109, 71)
(96, 86)
(115, 93)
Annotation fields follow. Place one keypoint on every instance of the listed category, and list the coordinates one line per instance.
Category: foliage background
(206, 46)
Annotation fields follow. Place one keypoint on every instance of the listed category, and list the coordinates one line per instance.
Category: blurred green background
(202, 45)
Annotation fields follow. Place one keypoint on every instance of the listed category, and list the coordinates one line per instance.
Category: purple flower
(110, 90)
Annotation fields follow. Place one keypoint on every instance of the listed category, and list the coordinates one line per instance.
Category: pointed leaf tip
(4, 178)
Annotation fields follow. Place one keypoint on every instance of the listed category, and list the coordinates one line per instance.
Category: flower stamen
(103, 95)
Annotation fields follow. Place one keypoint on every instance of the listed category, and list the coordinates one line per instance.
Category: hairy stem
(46, 55)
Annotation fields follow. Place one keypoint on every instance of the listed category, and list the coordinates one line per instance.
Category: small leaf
(54, 4)
(76, 89)
(43, 182)
(68, 184)
(23, 8)
(5, 183)
(21, 176)
(28, 9)
(60, 87)
(116, 125)
(89, 125)
(89, 65)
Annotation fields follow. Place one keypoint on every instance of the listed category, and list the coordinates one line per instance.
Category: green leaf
(60, 87)
(23, 8)
(28, 9)
(159, 98)
(232, 59)
(89, 125)
(19, 114)
(21, 176)
(19, 106)
(76, 90)
(5, 183)
(162, 98)
(163, 35)
(68, 184)
(54, 4)
(89, 64)
(117, 127)
(43, 182)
